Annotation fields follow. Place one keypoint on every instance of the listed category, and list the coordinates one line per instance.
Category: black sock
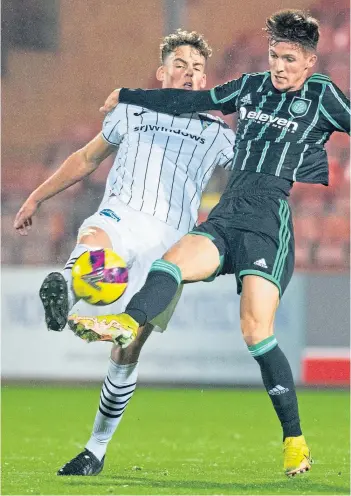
(279, 383)
(157, 293)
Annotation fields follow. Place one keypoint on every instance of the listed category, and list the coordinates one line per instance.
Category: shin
(258, 305)
(116, 392)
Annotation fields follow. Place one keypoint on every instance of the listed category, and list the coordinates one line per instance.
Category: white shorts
(139, 239)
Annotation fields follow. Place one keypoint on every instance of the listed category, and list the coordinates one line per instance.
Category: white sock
(116, 392)
(67, 272)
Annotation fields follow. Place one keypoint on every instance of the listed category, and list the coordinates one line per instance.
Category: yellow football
(100, 276)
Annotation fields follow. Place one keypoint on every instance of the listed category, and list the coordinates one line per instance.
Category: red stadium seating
(332, 255)
(321, 214)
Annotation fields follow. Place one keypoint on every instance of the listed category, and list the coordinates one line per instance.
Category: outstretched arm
(77, 166)
(165, 100)
(169, 101)
(172, 101)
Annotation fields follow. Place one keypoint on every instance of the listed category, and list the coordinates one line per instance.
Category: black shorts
(254, 235)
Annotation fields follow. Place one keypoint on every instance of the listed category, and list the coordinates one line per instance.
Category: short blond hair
(181, 37)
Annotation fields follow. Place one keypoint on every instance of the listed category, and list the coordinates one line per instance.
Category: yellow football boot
(297, 456)
(119, 329)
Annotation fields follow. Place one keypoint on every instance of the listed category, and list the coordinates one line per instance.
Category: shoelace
(79, 462)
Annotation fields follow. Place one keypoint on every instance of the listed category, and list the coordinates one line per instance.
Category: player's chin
(280, 84)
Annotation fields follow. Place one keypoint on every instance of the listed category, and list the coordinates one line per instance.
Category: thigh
(196, 256)
(94, 237)
(117, 229)
(203, 252)
(122, 242)
(140, 240)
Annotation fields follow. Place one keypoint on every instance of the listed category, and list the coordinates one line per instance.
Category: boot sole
(54, 297)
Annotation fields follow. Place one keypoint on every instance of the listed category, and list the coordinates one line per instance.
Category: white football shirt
(164, 161)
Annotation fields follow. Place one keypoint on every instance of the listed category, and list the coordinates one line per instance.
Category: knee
(254, 329)
(94, 237)
(174, 256)
(177, 266)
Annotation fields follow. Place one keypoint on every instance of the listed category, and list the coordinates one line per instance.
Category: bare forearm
(73, 170)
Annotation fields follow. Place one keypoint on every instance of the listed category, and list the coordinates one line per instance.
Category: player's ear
(160, 73)
(312, 59)
(203, 81)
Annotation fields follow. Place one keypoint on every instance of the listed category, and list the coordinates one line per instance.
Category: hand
(111, 102)
(23, 220)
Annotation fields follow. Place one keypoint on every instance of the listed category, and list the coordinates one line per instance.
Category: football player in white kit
(152, 196)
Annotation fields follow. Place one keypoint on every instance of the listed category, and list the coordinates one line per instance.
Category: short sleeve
(225, 96)
(336, 108)
(113, 125)
(226, 155)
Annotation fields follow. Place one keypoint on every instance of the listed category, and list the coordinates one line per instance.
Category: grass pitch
(172, 442)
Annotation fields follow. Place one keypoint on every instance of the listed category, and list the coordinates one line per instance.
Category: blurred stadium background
(60, 59)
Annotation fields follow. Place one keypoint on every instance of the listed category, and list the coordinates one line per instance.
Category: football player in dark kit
(285, 118)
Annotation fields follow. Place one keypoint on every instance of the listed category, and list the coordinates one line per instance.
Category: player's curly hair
(181, 37)
(293, 26)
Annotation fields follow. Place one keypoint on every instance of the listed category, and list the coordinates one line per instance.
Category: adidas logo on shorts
(278, 390)
(261, 263)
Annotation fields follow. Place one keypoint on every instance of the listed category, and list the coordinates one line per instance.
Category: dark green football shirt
(279, 133)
